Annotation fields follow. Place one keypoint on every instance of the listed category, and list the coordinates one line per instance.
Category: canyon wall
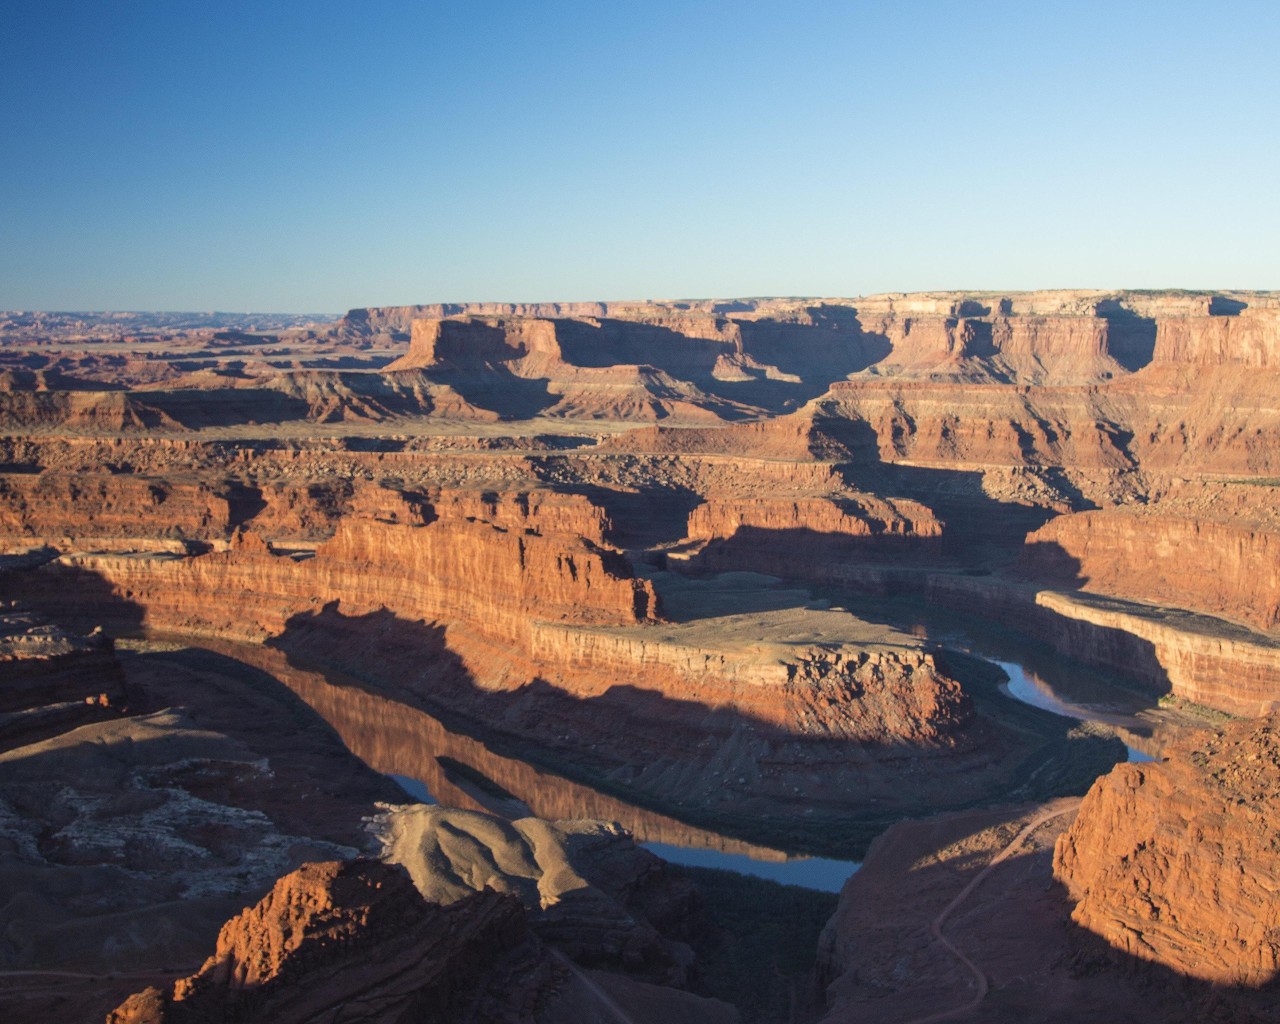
(447, 569)
(1200, 659)
(1229, 568)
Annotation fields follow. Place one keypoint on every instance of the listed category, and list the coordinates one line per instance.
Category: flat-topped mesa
(808, 346)
(476, 342)
(397, 319)
(530, 347)
(1066, 302)
(1065, 337)
(814, 691)
(521, 368)
(1176, 862)
(1069, 337)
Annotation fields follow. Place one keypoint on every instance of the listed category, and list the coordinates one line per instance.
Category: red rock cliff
(1177, 862)
(355, 941)
(1228, 568)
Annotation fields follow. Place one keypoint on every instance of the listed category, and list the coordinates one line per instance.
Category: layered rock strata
(1220, 566)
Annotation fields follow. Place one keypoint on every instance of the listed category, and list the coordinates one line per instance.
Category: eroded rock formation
(356, 939)
(1177, 863)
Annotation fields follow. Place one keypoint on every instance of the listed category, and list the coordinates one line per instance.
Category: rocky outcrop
(1176, 863)
(356, 940)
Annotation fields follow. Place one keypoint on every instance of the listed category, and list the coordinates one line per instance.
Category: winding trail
(935, 926)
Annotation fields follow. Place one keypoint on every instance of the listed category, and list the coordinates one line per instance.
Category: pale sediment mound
(587, 884)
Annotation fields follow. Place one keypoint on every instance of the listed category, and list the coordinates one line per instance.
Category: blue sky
(168, 154)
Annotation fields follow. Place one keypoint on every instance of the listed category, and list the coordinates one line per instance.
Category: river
(432, 763)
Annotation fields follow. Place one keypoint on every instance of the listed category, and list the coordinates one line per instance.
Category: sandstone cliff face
(982, 425)
(1177, 862)
(805, 537)
(1228, 568)
(450, 569)
(1055, 350)
(520, 606)
(861, 516)
(1201, 659)
(1251, 338)
(355, 940)
(818, 691)
(654, 364)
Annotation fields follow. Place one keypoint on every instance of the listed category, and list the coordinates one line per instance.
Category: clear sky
(310, 156)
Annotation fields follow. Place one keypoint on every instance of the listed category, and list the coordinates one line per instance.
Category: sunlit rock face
(333, 934)
(1177, 862)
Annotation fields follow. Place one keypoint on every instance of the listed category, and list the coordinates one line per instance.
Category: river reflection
(1031, 689)
(433, 764)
